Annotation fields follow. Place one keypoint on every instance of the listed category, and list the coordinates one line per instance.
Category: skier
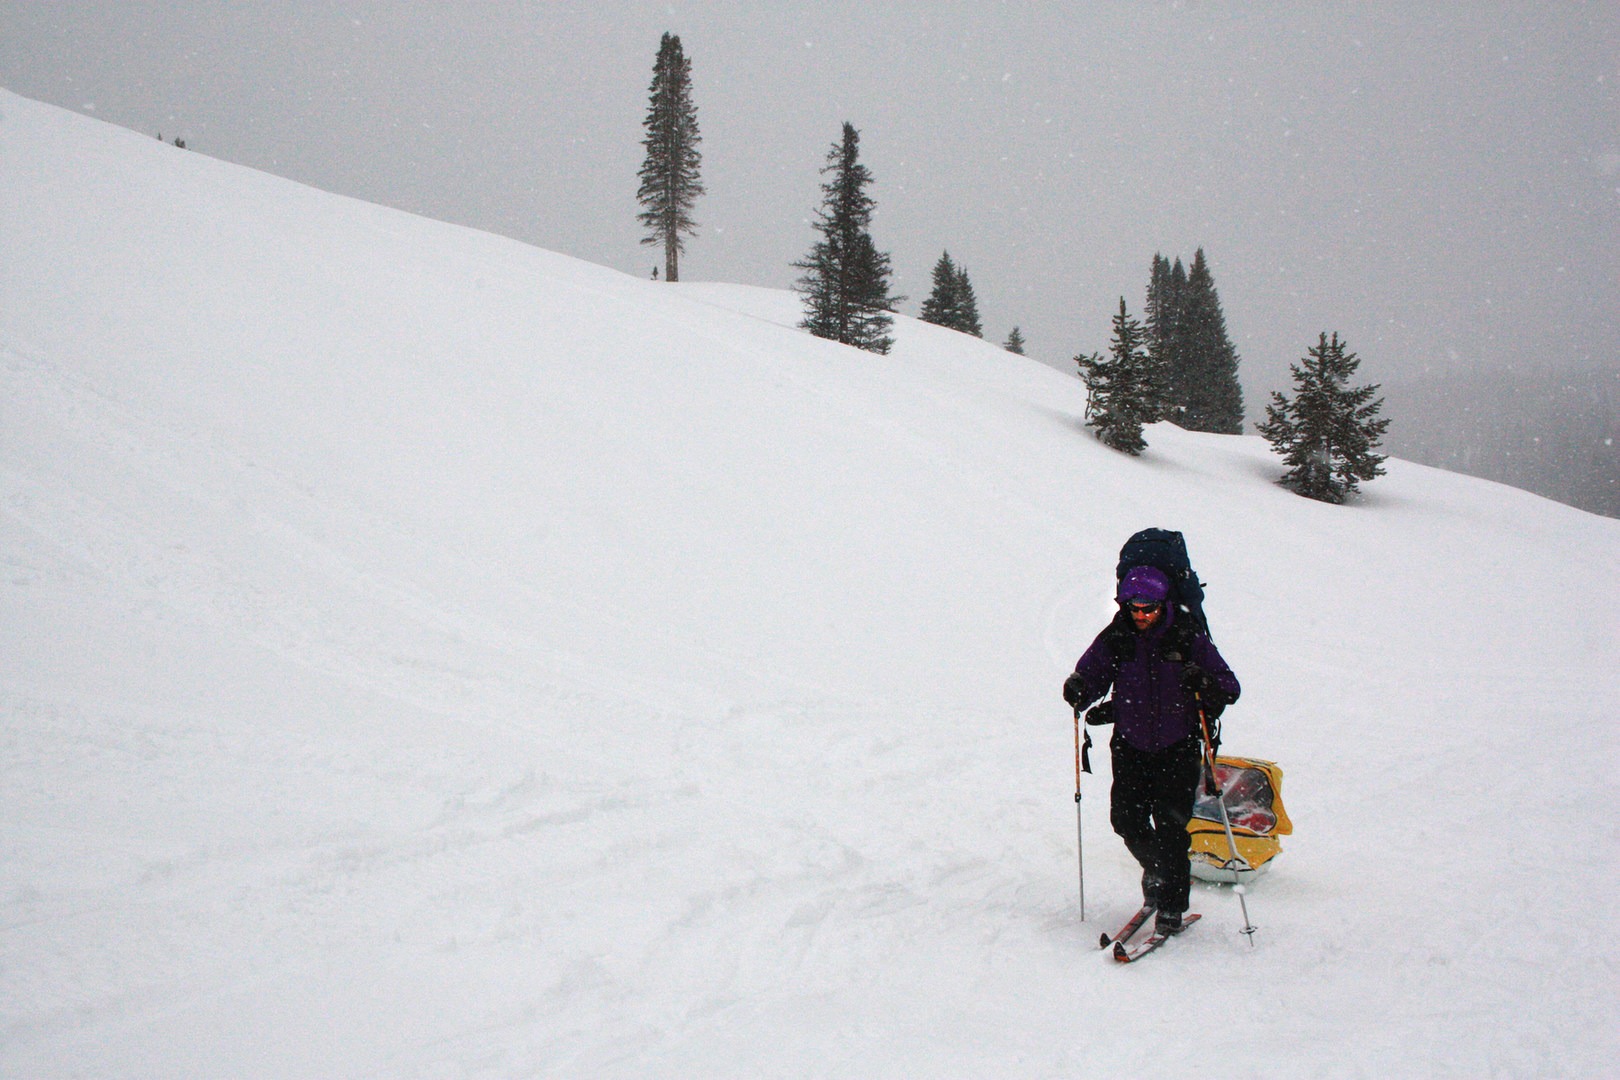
(1160, 672)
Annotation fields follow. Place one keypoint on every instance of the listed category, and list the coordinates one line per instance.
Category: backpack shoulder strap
(1121, 638)
(1177, 644)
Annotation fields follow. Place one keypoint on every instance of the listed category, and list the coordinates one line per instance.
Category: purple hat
(1144, 584)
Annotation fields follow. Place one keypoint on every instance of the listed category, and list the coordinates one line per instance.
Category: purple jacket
(1152, 710)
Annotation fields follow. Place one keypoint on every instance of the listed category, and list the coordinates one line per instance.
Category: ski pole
(1079, 831)
(1212, 786)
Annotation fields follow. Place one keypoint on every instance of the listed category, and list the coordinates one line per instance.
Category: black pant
(1152, 803)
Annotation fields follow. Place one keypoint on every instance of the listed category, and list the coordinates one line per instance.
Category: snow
(429, 656)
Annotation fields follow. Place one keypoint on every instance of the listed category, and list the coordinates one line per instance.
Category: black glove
(1074, 690)
(1195, 680)
(1101, 714)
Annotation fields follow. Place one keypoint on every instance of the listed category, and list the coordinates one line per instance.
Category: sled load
(1252, 794)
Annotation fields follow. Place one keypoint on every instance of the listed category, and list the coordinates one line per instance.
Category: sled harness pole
(1082, 762)
(1212, 786)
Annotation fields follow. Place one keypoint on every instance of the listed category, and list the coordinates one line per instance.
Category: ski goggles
(1142, 607)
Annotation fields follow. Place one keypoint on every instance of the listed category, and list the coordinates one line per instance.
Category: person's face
(1144, 615)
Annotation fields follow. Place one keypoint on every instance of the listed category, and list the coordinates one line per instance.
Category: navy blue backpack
(1166, 551)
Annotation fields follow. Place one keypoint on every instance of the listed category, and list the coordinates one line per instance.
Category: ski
(1128, 929)
(1126, 956)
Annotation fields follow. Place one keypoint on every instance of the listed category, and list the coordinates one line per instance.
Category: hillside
(1551, 432)
(427, 655)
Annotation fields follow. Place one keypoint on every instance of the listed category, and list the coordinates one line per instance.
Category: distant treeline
(1179, 366)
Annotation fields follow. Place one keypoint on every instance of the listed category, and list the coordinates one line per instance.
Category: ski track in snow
(621, 683)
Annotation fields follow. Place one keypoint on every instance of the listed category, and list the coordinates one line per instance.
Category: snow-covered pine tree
(967, 305)
(942, 304)
(952, 303)
(669, 176)
(1172, 368)
(846, 279)
(1123, 391)
(871, 314)
(1015, 342)
(1162, 318)
(1210, 397)
(1327, 432)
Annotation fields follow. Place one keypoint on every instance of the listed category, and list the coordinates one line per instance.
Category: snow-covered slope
(426, 655)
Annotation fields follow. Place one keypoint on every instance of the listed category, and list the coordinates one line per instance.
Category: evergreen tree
(953, 303)
(669, 176)
(1173, 343)
(871, 314)
(944, 301)
(1187, 339)
(1166, 290)
(1015, 342)
(1122, 391)
(1327, 431)
(1211, 398)
(846, 279)
(967, 305)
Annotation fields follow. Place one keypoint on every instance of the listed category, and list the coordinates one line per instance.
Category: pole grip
(1212, 786)
(1077, 753)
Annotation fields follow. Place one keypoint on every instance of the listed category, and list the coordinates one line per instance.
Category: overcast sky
(1439, 182)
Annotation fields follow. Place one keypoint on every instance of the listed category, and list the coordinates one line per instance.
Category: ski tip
(1121, 954)
(1104, 941)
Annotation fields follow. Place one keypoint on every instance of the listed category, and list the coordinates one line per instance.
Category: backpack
(1166, 551)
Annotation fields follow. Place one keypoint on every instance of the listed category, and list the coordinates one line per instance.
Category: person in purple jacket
(1159, 671)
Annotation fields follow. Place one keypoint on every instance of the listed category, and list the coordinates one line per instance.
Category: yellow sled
(1253, 797)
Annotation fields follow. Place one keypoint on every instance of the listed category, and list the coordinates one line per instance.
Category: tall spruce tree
(846, 278)
(1171, 369)
(669, 176)
(1122, 391)
(1327, 432)
(967, 305)
(1213, 399)
(1187, 339)
(943, 303)
(1015, 342)
(1167, 288)
(953, 303)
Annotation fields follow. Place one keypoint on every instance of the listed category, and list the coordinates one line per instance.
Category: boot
(1167, 923)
